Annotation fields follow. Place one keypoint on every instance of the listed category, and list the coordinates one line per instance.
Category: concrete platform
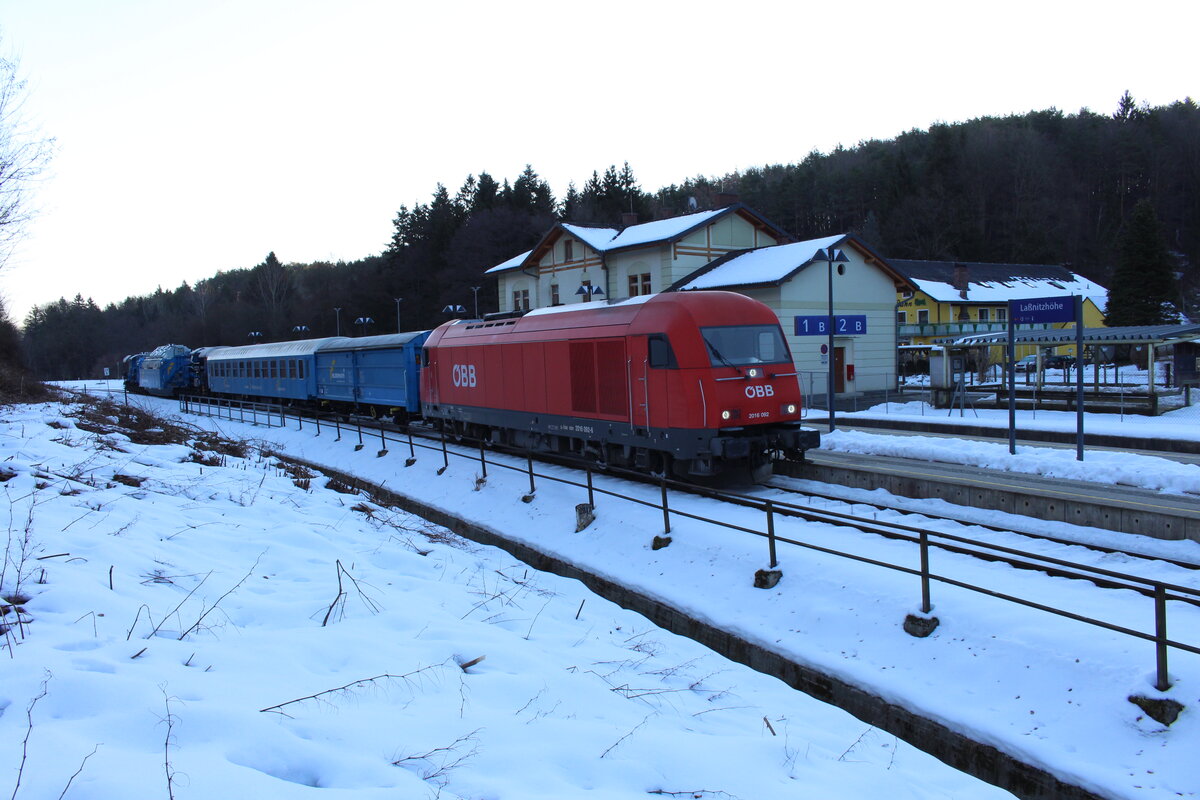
(1117, 508)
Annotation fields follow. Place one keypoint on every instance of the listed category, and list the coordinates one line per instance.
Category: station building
(953, 299)
(733, 248)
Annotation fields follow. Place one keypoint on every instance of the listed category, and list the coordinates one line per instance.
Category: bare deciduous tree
(24, 156)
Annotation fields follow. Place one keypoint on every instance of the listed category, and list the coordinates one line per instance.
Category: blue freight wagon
(376, 374)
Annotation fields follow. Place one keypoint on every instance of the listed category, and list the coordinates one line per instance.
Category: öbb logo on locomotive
(464, 375)
(760, 390)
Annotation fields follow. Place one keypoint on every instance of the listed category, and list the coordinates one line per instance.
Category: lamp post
(398, 299)
(589, 291)
(300, 329)
(337, 311)
(831, 256)
(476, 289)
(363, 322)
(254, 336)
(454, 310)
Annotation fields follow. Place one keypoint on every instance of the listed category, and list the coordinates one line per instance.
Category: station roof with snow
(771, 266)
(609, 240)
(943, 281)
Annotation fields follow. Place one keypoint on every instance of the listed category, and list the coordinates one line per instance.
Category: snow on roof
(662, 230)
(586, 306)
(764, 265)
(596, 238)
(512, 263)
(1018, 288)
(603, 240)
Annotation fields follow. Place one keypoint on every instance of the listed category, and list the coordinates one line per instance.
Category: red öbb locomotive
(697, 383)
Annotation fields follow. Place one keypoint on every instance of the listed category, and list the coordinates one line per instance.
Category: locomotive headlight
(754, 372)
(726, 415)
(790, 408)
(731, 413)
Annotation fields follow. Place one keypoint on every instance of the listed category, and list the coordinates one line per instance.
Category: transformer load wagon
(165, 371)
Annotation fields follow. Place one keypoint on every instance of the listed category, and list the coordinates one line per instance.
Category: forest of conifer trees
(1043, 188)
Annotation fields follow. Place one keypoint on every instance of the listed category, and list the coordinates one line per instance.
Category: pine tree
(1143, 286)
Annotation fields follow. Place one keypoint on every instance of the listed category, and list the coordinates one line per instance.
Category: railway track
(783, 486)
(1088, 568)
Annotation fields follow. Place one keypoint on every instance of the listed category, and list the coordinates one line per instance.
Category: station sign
(1042, 310)
(843, 325)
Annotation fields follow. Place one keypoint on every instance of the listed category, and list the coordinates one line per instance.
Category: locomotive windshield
(741, 345)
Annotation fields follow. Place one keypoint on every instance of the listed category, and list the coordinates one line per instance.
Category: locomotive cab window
(741, 345)
(659, 352)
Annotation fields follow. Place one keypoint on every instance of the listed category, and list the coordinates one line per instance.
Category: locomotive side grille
(583, 377)
(614, 389)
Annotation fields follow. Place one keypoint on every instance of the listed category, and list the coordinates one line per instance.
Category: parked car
(1026, 364)
(1058, 362)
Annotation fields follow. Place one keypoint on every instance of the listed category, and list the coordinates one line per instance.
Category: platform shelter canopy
(1157, 335)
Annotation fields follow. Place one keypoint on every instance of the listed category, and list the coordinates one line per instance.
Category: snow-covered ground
(165, 617)
(1100, 465)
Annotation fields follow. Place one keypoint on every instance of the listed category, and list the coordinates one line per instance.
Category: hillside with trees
(1043, 187)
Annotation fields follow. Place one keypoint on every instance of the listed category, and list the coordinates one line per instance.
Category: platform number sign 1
(843, 325)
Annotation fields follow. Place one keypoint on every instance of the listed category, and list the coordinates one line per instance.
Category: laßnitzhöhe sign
(1037, 310)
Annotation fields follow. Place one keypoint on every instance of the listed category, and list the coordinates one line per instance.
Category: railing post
(482, 458)
(529, 458)
(412, 453)
(382, 439)
(666, 512)
(445, 455)
(925, 605)
(358, 425)
(591, 494)
(1160, 636)
(771, 532)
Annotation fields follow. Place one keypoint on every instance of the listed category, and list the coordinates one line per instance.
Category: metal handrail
(1161, 591)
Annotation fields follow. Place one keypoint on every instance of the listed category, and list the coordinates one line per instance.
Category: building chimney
(961, 279)
(628, 219)
(725, 199)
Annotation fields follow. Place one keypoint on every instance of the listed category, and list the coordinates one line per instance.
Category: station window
(520, 299)
(569, 250)
(985, 315)
(901, 317)
(923, 316)
(1002, 314)
(554, 301)
(639, 284)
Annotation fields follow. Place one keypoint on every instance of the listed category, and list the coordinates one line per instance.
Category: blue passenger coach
(379, 374)
(279, 370)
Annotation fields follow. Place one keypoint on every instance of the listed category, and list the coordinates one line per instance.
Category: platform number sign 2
(843, 325)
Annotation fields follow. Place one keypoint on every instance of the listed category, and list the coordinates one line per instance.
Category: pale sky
(198, 137)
